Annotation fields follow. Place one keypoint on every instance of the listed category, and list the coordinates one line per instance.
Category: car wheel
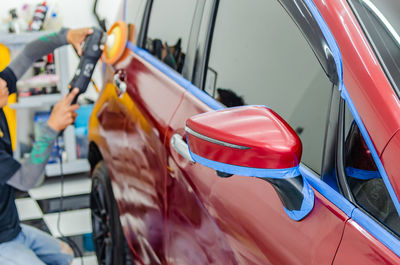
(109, 240)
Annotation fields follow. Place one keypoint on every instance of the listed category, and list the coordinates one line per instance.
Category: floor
(40, 208)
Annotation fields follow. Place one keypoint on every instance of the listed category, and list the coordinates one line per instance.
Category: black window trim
(307, 24)
(190, 60)
(328, 167)
(142, 36)
(200, 79)
(341, 173)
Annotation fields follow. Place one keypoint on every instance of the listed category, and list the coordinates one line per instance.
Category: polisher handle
(92, 50)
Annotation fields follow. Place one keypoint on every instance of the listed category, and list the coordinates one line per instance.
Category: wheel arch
(94, 155)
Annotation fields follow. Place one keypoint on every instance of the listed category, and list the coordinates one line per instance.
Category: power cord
(73, 245)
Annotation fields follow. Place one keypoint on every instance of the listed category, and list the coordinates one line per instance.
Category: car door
(132, 124)
(256, 56)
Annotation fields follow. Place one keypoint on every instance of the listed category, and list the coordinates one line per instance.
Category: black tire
(108, 237)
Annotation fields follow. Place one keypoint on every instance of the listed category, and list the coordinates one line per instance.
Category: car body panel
(359, 247)
(250, 214)
(390, 158)
(177, 212)
(367, 84)
(129, 132)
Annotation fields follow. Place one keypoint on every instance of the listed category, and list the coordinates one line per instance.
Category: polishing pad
(115, 46)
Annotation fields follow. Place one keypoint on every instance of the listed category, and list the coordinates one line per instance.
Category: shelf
(12, 39)
(73, 167)
(36, 101)
(42, 80)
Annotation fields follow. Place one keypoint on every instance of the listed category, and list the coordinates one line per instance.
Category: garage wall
(75, 14)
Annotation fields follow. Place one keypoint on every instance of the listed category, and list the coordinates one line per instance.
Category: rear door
(257, 56)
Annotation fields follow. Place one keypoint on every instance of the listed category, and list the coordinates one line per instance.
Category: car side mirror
(253, 141)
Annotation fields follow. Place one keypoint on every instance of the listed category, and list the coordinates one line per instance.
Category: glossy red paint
(367, 84)
(193, 236)
(130, 134)
(359, 247)
(247, 211)
(390, 158)
(188, 215)
(375, 100)
(268, 141)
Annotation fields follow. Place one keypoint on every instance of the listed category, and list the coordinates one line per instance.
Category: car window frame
(341, 173)
(201, 59)
(141, 41)
(188, 67)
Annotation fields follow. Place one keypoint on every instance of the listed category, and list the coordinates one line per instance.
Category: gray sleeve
(36, 49)
(33, 167)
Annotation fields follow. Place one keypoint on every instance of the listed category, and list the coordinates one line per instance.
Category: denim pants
(33, 247)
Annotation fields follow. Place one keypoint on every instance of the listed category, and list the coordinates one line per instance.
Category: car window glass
(364, 180)
(169, 30)
(134, 11)
(258, 56)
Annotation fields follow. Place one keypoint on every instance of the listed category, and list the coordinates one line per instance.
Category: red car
(250, 132)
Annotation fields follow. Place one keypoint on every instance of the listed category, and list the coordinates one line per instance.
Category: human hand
(3, 93)
(63, 113)
(75, 37)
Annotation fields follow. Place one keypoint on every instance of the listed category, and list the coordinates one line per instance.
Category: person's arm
(36, 49)
(32, 169)
(33, 51)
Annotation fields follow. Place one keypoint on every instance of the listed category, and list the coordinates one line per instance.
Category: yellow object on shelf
(11, 115)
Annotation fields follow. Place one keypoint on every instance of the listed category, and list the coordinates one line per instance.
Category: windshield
(380, 21)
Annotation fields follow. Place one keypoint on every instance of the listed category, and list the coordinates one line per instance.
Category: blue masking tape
(308, 193)
(376, 230)
(362, 174)
(200, 94)
(383, 237)
(247, 171)
(306, 206)
(327, 191)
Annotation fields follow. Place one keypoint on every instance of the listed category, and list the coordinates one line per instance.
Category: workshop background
(40, 206)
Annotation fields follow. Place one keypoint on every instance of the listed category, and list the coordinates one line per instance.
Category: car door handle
(181, 147)
(119, 80)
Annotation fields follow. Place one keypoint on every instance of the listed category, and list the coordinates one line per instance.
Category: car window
(169, 30)
(365, 182)
(258, 56)
(134, 11)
